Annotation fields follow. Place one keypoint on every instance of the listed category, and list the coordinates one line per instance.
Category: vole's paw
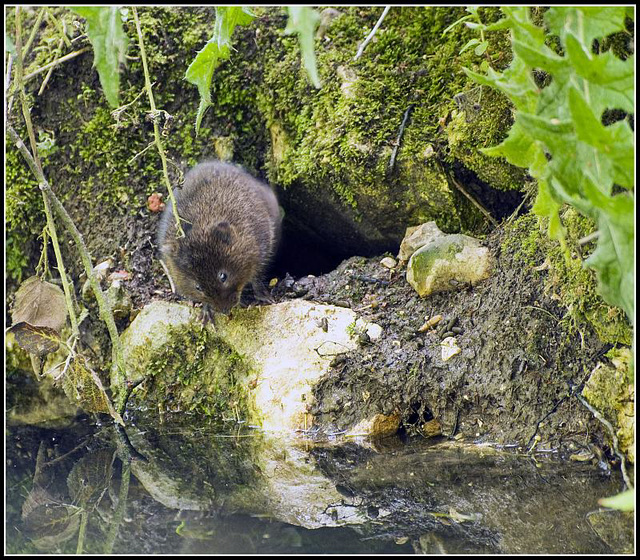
(261, 293)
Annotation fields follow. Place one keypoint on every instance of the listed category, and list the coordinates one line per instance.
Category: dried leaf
(38, 341)
(40, 304)
(83, 386)
(90, 476)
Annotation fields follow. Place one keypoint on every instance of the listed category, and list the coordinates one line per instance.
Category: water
(174, 488)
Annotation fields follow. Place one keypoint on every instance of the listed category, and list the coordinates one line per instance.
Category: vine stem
(37, 169)
(156, 126)
(103, 304)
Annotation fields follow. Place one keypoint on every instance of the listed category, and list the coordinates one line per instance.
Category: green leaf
(469, 44)
(587, 23)
(614, 146)
(546, 206)
(613, 259)
(612, 79)
(217, 49)
(104, 29)
(479, 50)
(8, 44)
(518, 147)
(625, 501)
(303, 20)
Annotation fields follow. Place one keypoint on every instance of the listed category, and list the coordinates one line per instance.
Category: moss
(24, 215)
(565, 276)
(610, 390)
(339, 140)
(469, 132)
(196, 372)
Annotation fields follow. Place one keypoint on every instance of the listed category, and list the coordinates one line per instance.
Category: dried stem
(156, 126)
(373, 32)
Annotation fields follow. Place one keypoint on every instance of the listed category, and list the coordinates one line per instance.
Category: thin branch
(156, 126)
(37, 168)
(55, 63)
(103, 304)
(373, 32)
(475, 202)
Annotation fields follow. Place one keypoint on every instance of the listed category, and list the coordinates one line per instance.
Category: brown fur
(231, 223)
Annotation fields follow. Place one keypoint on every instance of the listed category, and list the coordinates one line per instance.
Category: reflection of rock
(468, 499)
(276, 355)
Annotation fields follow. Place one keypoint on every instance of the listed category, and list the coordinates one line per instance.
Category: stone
(416, 237)
(448, 262)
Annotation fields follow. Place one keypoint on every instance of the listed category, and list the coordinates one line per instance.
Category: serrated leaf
(588, 22)
(539, 56)
(40, 304)
(518, 148)
(303, 20)
(613, 145)
(217, 49)
(83, 387)
(104, 29)
(613, 259)
(558, 132)
(38, 341)
(611, 78)
(90, 476)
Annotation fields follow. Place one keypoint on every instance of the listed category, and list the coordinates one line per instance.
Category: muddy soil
(511, 384)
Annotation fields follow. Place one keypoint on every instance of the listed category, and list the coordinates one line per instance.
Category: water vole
(232, 225)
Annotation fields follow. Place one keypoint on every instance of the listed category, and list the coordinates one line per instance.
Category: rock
(380, 425)
(289, 353)
(609, 391)
(274, 354)
(449, 348)
(447, 262)
(432, 428)
(389, 262)
(416, 237)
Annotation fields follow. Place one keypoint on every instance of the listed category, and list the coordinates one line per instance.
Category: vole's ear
(223, 232)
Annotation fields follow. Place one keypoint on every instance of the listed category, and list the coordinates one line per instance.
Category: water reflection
(178, 489)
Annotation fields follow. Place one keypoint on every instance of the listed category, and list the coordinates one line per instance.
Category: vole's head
(212, 266)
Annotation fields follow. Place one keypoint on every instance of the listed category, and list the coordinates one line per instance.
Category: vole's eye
(222, 276)
(199, 287)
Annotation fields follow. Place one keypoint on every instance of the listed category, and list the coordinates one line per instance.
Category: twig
(392, 161)
(373, 32)
(591, 237)
(614, 439)
(36, 26)
(55, 63)
(476, 203)
(48, 76)
(156, 126)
